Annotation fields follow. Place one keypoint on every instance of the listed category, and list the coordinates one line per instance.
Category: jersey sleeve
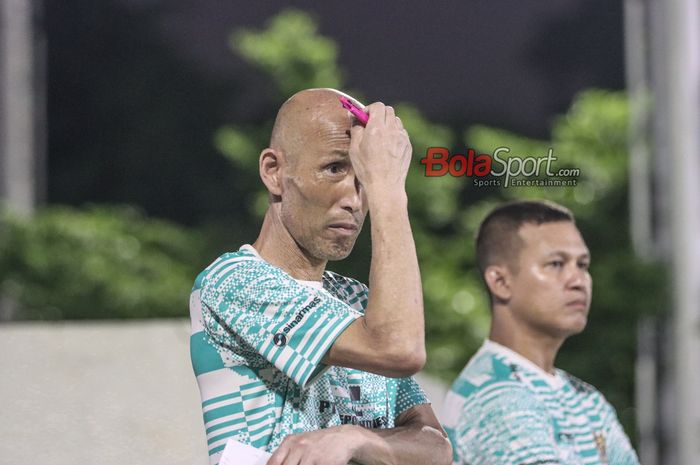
(503, 425)
(250, 305)
(408, 395)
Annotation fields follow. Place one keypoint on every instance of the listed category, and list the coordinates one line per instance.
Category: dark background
(136, 88)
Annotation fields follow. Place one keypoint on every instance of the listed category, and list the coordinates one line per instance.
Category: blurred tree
(100, 262)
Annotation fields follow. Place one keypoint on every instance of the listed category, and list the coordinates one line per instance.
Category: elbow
(439, 444)
(443, 449)
(406, 362)
(446, 454)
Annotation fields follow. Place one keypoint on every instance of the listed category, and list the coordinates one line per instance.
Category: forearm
(404, 445)
(394, 313)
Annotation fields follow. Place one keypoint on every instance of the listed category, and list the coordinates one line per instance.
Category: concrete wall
(106, 393)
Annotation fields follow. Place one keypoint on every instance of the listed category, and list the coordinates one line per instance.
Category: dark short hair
(497, 240)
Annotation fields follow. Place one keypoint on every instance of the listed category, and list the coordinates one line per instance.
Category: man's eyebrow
(564, 254)
(334, 154)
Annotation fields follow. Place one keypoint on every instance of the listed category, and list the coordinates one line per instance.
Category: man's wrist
(364, 443)
(392, 201)
(355, 438)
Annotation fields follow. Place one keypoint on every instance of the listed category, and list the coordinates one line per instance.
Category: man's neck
(538, 348)
(277, 247)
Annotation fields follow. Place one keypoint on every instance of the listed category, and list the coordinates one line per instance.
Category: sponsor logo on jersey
(301, 314)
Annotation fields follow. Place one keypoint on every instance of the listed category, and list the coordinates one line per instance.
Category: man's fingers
(279, 455)
(295, 456)
(356, 133)
(389, 115)
(376, 111)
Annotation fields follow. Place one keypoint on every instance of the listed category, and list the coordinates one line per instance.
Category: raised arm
(389, 339)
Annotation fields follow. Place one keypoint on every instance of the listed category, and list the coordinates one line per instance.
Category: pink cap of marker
(361, 116)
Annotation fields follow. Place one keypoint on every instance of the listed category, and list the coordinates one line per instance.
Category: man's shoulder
(236, 267)
(578, 384)
(584, 391)
(244, 257)
(488, 389)
(486, 375)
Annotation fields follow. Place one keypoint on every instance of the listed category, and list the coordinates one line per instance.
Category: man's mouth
(344, 228)
(578, 303)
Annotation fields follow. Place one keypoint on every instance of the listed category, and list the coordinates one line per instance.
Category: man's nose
(351, 199)
(578, 277)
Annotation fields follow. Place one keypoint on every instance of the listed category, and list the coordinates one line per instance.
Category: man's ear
(498, 279)
(270, 165)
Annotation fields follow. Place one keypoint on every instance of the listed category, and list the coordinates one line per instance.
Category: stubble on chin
(339, 250)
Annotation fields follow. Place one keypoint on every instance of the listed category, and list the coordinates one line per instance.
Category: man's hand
(332, 446)
(417, 439)
(389, 339)
(380, 152)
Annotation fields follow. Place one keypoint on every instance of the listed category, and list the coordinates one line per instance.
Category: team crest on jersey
(600, 445)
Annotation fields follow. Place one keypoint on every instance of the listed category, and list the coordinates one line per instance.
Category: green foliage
(96, 263)
(291, 52)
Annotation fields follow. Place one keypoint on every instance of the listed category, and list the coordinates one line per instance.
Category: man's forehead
(553, 237)
(325, 136)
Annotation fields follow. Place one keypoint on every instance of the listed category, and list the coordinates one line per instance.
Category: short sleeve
(408, 395)
(248, 304)
(504, 425)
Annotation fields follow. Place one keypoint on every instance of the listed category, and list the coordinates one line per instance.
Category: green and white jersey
(505, 410)
(258, 337)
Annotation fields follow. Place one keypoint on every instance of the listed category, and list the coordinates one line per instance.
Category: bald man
(300, 361)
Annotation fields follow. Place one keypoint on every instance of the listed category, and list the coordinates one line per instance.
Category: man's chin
(338, 255)
(576, 328)
(339, 251)
(337, 258)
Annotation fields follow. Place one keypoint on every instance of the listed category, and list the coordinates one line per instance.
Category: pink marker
(361, 116)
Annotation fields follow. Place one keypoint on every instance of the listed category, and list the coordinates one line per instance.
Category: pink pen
(361, 116)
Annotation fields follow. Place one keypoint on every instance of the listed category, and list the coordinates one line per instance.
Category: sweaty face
(323, 205)
(551, 288)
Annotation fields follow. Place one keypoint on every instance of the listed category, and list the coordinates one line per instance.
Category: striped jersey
(258, 337)
(505, 410)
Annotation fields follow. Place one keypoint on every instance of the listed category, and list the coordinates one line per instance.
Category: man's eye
(335, 168)
(584, 265)
(556, 263)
